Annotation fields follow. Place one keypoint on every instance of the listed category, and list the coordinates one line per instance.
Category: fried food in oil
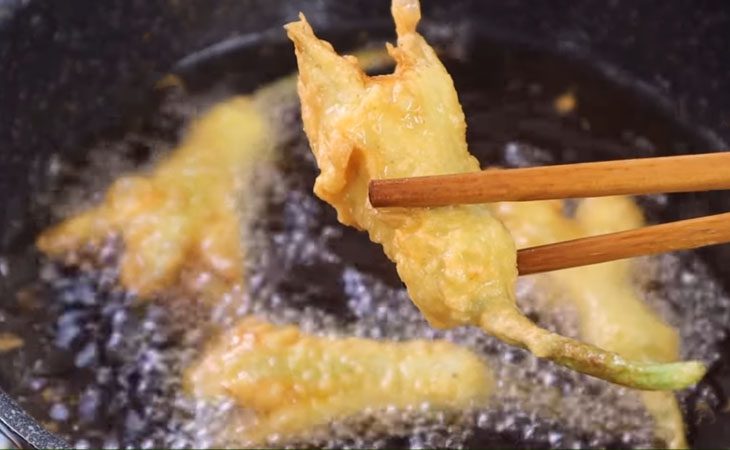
(612, 314)
(183, 215)
(10, 342)
(294, 382)
(458, 262)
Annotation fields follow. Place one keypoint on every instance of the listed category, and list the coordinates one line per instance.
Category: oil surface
(104, 371)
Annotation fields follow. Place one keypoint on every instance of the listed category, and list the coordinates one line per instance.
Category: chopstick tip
(376, 196)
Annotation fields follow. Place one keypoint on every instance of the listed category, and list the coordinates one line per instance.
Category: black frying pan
(73, 70)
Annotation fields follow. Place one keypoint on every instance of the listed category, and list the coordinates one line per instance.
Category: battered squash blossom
(294, 382)
(183, 216)
(611, 312)
(186, 218)
(458, 262)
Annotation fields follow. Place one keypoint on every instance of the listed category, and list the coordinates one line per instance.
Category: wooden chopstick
(680, 235)
(688, 173)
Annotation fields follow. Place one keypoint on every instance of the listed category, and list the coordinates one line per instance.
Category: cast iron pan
(74, 70)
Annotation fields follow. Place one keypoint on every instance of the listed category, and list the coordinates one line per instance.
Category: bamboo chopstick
(688, 173)
(680, 235)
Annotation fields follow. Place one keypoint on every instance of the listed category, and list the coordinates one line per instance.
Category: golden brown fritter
(611, 312)
(184, 214)
(293, 382)
(457, 262)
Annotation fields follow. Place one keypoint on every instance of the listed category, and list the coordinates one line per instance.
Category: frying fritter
(612, 314)
(293, 382)
(457, 262)
(184, 215)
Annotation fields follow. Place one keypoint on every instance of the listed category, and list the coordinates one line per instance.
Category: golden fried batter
(612, 315)
(457, 262)
(183, 215)
(294, 382)
(10, 342)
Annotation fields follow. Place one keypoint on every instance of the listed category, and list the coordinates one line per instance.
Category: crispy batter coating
(458, 262)
(186, 215)
(183, 215)
(612, 314)
(294, 382)
(405, 124)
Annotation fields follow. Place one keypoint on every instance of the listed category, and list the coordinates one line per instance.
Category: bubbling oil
(110, 372)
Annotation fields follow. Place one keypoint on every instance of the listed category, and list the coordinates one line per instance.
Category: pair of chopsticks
(689, 173)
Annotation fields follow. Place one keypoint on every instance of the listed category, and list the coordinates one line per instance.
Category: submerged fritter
(293, 382)
(612, 314)
(457, 262)
(184, 215)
